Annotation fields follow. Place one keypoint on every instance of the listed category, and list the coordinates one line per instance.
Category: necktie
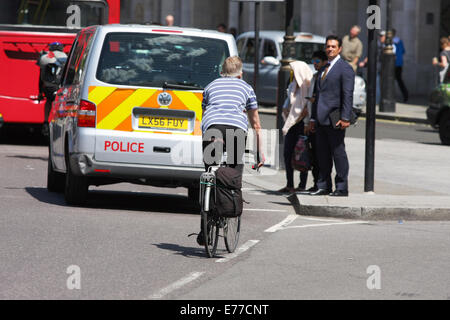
(325, 71)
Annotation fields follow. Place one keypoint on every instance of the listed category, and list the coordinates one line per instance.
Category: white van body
(129, 107)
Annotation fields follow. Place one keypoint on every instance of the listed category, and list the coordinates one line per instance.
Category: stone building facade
(419, 23)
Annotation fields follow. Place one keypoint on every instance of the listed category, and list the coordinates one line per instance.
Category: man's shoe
(320, 192)
(339, 193)
(308, 192)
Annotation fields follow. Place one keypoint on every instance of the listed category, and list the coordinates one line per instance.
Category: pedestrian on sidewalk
(399, 52)
(295, 112)
(444, 57)
(170, 20)
(334, 95)
(319, 61)
(381, 43)
(352, 47)
(222, 27)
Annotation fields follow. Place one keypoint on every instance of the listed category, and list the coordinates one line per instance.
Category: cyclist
(229, 103)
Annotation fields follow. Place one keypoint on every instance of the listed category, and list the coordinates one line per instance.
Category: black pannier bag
(229, 201)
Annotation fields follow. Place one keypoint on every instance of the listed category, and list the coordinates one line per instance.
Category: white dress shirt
(332, 63)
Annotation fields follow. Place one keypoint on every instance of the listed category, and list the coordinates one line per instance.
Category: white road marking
(324, 224)
(238, 251)
(264, 210)
(289, 219)
(176, 285)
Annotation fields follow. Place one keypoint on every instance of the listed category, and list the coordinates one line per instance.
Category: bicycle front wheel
(231, 231)
(211, 233)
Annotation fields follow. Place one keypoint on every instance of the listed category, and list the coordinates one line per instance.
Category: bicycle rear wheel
(231, 231)
(211, 233)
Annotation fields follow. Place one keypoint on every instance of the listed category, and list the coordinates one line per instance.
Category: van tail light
(86, 114)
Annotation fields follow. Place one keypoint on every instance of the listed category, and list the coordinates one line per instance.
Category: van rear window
(150, 60)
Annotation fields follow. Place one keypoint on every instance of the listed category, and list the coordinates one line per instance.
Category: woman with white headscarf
(296, 115)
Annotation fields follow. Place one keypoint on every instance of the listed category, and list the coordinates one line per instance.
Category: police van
(129, 108)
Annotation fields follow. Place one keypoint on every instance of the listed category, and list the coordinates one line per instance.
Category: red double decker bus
(26, 29)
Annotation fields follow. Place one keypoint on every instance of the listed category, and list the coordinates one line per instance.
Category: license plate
(163, 123)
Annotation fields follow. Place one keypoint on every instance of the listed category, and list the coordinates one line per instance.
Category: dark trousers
(331, 148)
(401, 84)
(215, 139)
(290, 140)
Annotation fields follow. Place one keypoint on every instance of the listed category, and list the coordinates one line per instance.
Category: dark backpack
(229, 201)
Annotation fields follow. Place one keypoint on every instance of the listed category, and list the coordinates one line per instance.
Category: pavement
(412, 180)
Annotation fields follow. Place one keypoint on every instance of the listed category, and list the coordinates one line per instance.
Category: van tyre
(444, 128)
(55, 180)
(76, 188)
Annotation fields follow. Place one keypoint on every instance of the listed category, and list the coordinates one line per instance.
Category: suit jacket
(334, 92)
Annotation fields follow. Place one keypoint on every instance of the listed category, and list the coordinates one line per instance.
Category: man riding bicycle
(229, 103)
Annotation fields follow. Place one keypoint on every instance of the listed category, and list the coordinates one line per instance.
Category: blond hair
(232, 67)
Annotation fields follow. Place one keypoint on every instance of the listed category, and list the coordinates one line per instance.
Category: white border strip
(176, 285)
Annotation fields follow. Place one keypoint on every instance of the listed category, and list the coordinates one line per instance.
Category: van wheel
(76, 188)
(194, 194)
(55, 180)
(444, 128)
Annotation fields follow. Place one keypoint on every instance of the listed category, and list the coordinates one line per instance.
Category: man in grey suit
(334, 91)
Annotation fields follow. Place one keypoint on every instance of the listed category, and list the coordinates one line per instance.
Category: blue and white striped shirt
(225, 101)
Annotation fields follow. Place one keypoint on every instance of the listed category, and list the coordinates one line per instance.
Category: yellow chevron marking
(191, 101)
(122, 111)
(100, 93)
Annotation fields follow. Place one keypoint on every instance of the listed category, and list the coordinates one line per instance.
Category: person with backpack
(51, 64)
(229, 104)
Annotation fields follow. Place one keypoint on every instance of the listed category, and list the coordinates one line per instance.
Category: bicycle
(212, 223)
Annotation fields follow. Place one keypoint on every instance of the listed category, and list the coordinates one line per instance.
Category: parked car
(129, 108)
(270, 52)
(438, 113)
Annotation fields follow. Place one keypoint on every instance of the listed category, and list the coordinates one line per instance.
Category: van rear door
(150, 110)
